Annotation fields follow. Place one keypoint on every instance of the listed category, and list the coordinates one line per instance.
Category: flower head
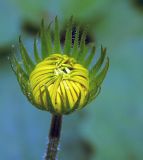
(60, 80)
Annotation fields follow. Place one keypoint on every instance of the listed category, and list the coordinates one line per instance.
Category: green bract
(61, 79)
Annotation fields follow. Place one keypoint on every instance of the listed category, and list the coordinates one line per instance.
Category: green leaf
(28, 64)
(57, 46)
(68, 38)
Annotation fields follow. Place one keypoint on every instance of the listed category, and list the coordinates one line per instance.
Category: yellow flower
(61, 80)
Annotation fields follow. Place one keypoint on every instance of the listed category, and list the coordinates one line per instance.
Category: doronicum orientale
(63, 78)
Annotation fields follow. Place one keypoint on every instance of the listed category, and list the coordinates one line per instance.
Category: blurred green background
(111, 128)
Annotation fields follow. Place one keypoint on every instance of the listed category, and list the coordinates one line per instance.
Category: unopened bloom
(62, 79)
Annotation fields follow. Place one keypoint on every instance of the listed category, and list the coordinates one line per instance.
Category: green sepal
(27, 62)
(86, 100)
(16, 67)
(44, 47)
(68, 38)
(67, 106)
(49, 101)
(76, 105)
(99, 63)
(21, 75)
(31, 98)
(90, 57)
(23, 84)
(49, 40)
(82, 41)
(94, 93)
(22, 78)
(82, 48)
(41, 98)
(75, 50)
(36, 55)
(82, 57)
(62, 105)
(100, 77)
(56, 84)
(57, 46)
(29, 94)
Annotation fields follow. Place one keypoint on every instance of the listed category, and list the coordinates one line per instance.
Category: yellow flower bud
(64, 79)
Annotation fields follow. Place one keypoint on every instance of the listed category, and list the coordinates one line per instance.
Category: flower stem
(54, 137)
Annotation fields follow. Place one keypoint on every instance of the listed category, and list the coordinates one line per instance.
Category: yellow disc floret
(62, 80)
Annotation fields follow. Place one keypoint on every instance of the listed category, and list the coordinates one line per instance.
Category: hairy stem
(54, 137)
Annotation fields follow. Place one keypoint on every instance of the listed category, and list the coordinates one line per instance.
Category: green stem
(54, 137)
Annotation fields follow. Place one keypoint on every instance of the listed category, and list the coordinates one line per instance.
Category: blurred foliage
(110, 128)
(138, 4)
